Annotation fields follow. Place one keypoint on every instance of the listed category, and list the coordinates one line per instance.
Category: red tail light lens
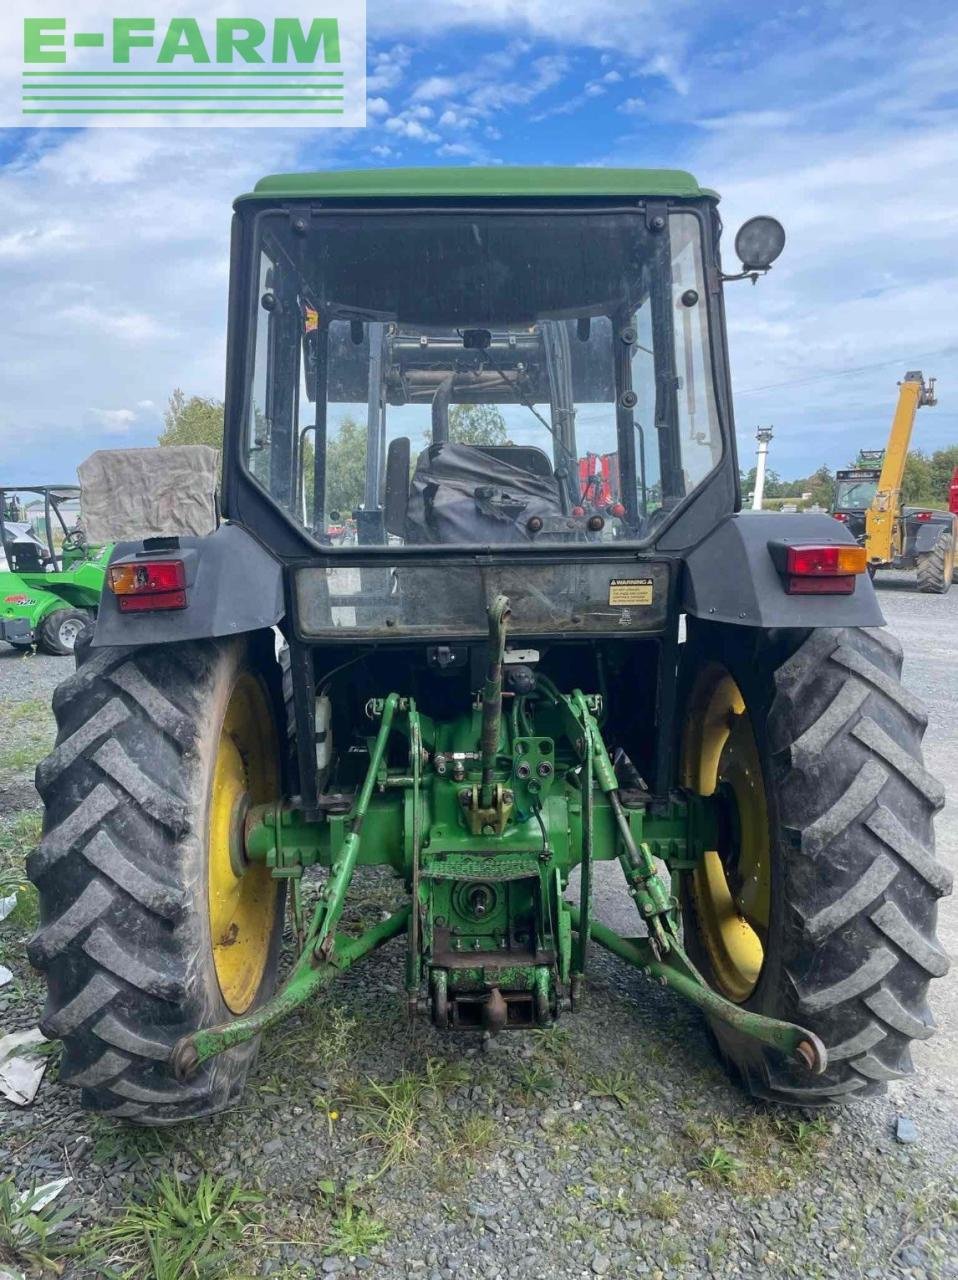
(146, 585)
(923, 516)
(823, 571)
(841, 516)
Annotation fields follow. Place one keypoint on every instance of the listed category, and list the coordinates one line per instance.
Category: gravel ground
(612, 1145)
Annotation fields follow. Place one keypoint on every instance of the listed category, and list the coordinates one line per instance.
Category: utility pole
(763, 435)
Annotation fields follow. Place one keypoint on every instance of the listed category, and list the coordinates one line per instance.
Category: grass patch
(719, 1167)
(27, 1225)
(326, 1039)
(554, 1047)
(620, 1086)
(664, 1206)
(122, 1142)
(19, 834)
(395, 1113)
(769, 1151)
(532, 1081)
(475, 1136)
(353, 1229)
(181, 1232)
(29, 733)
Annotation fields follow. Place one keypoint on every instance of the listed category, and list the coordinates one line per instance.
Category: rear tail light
(823, 570)
(923, 516)
(146, 585)
(841, 516)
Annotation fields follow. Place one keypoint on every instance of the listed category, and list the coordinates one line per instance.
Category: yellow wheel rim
(731, 894)
(242, 898)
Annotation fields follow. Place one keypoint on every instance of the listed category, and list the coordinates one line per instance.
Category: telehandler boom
(895, 536)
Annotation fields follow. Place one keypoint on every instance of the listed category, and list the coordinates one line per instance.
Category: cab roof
(509, 183)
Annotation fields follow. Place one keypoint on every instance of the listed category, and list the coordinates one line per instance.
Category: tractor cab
(855, 491)
(420, 368)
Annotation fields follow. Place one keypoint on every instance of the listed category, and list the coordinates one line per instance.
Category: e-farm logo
(283, 65)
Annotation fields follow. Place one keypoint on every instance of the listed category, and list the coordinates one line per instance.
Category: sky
(841, 120)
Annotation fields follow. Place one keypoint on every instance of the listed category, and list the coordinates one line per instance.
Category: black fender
(233, 585)
(730, 575)
(923, 535)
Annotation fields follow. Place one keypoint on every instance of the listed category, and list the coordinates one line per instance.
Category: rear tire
(850, 946)
(936, 568)
(59, 631)
(123, 872)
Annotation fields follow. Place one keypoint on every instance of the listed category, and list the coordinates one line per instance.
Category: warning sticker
(630, 591)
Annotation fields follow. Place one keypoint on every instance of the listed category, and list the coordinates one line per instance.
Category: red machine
(599, 480)
(952, 492)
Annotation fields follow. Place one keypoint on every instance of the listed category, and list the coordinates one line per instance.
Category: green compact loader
(511, 674)
(50, 579)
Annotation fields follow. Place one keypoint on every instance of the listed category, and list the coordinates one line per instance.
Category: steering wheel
(74, 540)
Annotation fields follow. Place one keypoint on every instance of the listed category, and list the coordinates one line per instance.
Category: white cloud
(632, 106)
(112, 422)
(644, 28)
(28, 241)
(123, 276)
(745, 120)
(129, 327)
(407, 126)
(436, 87)
(453, 119)
(387, 69)
(377, 107)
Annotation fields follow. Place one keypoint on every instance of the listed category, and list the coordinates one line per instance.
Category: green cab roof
(501, 182)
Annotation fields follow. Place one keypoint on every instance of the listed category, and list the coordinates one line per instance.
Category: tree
(943, 463)
(477, 424)
(197, 420)
(917, 485)
(346, 467)
(822, 486)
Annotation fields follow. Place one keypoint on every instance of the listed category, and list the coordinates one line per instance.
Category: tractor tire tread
(116, 869)
(930, 567)
(856, 805)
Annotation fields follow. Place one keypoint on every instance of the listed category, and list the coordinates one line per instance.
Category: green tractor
(511, 676)
(50, 579)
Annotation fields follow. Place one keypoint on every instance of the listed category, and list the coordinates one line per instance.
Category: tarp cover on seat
(127, 494)
(461, 494)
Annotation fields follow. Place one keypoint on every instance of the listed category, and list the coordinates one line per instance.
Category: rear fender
(923, 535)
(730, 576)
(233, 586)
